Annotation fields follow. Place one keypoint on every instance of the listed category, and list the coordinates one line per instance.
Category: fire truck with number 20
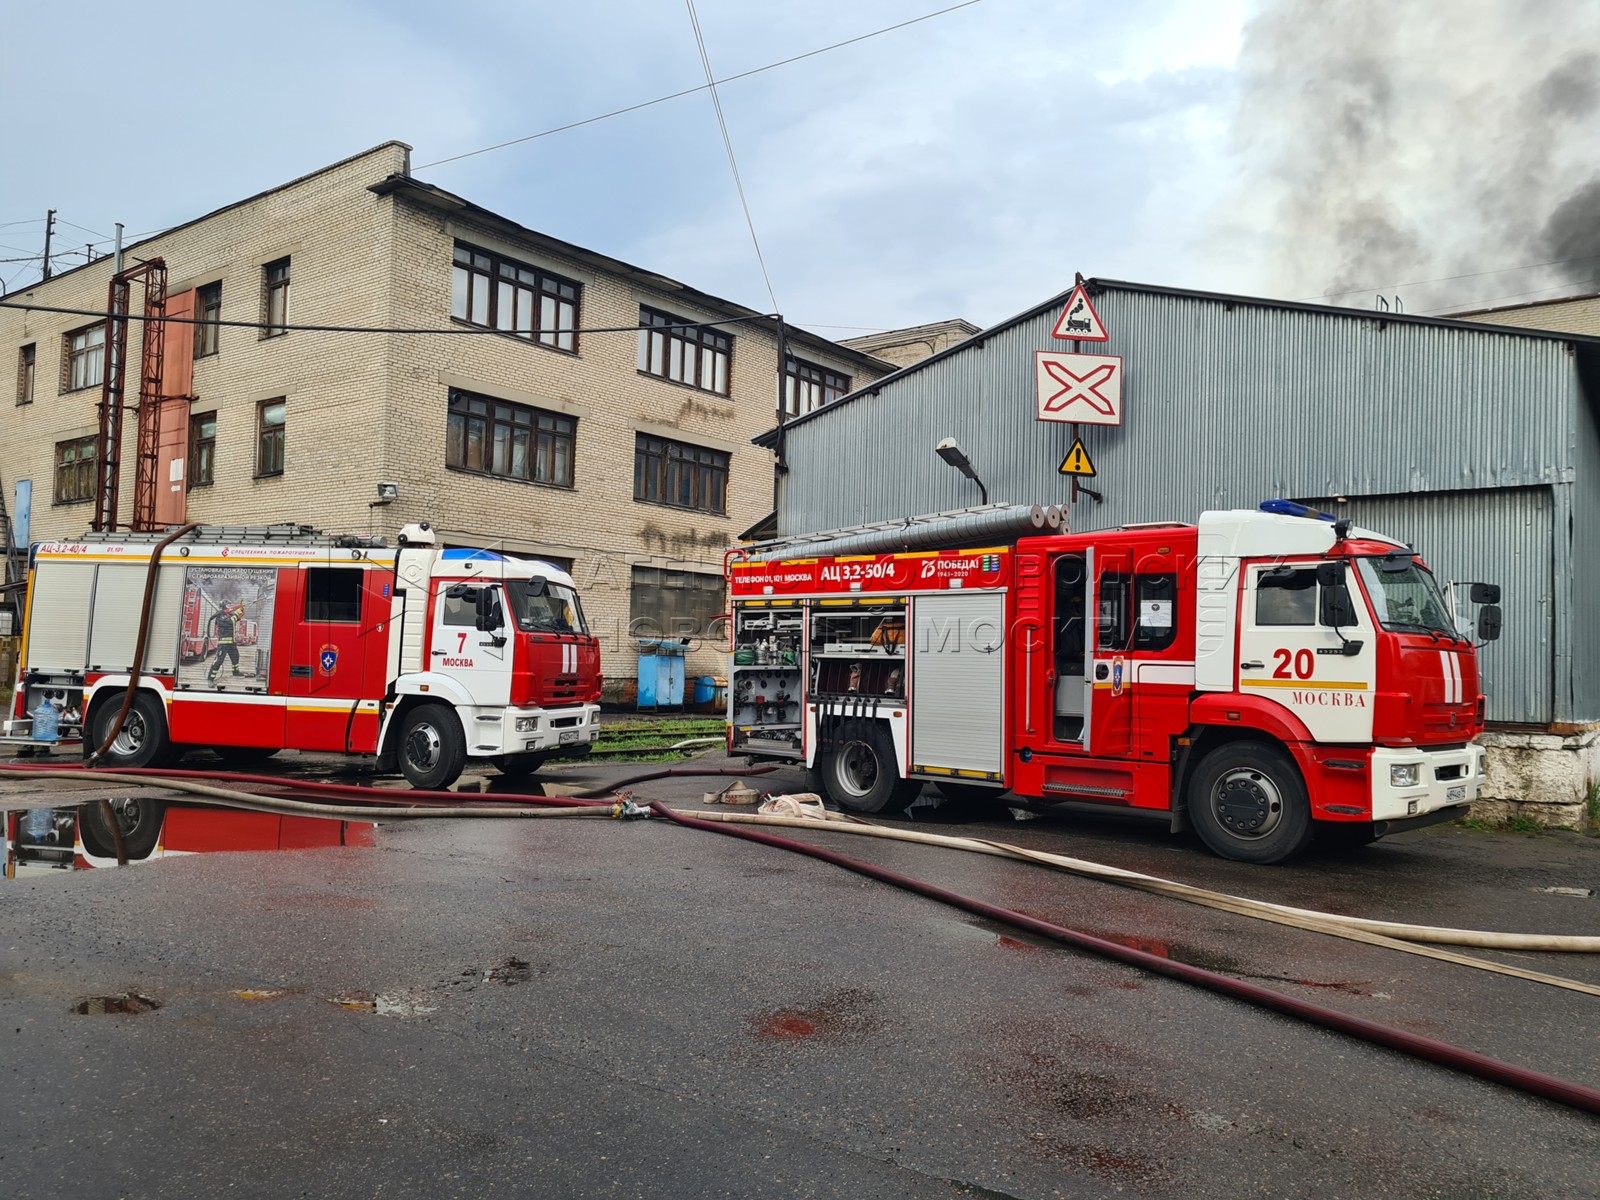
(1259, 676)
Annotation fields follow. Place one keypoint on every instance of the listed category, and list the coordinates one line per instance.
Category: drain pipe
(1523, 1079)
(106, 812)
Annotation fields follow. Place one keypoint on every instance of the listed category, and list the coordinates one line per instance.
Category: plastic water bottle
(37, 826)
(46, 722)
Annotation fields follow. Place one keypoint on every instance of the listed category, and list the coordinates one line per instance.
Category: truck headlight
(527, 724)
(1405, 775)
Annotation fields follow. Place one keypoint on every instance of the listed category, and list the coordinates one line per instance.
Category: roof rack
(285, 534)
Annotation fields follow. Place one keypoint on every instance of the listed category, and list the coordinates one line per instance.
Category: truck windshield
(544, 607)
(1406, 597)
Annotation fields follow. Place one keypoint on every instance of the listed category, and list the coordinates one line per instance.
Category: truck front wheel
(138, 820)
(433, 749)
(1248, 803)
(860, 772)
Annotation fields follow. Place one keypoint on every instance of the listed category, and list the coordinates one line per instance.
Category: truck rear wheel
(1248, 803)
(141, 742)
(138, 819)
(433, 749)
(860, 772)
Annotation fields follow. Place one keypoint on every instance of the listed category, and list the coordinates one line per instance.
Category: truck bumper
(537, 730)
(1445, 780)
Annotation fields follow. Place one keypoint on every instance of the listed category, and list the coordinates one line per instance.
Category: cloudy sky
(965, 165)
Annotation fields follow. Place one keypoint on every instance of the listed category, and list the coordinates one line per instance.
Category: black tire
(137, 817)
(517, 765)
(1248, 803)
(968, 793)
(141, 742)
(860, 772)
(433, 750)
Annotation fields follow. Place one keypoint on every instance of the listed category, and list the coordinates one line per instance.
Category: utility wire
(1555, 262)
(617, 112)
(458, 330)
(1588, 283)
(727, 142)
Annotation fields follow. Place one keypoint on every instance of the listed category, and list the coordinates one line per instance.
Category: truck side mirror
(1485, 593)
(1488, 620)
(1337, 610)
(1330, 574)
(488, 612)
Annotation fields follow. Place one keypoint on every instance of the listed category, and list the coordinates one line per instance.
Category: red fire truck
(423, 656)
(1258, 676)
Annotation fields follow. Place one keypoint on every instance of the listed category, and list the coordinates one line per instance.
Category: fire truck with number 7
(1260, 676)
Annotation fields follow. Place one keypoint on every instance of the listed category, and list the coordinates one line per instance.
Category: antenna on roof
(1382, 304)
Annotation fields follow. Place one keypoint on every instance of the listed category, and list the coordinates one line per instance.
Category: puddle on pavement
(846, 1012)
(125, 1003)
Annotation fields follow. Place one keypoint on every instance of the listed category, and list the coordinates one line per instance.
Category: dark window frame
(202, 450)
(271, 440)
(27, 372)
(548, 440)
(808, 386)
(76, 472)
(1304, 580)
(328, 605)
(682, 351)
(688, 603)
(207, 312)
(275, 279)
(72, 355)
(544, 306)
(1152, 587)
(696, 475)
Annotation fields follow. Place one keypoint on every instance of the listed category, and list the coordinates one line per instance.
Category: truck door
(327, 664)
(1290, 653)
(1111, 703)
(479, 658)
(1071, 635)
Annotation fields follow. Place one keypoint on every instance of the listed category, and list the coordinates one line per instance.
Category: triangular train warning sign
(1077, 461)
(1079, 321)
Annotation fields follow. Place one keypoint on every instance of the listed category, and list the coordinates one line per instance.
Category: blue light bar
(1288, 508)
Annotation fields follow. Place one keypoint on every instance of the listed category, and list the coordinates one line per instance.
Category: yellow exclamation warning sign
(1077, 461)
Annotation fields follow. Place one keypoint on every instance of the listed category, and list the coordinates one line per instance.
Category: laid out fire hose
(1430, 1049)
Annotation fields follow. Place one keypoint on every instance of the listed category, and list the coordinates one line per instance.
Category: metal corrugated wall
(1502, 537)
(1228, 402)
(1582, 588)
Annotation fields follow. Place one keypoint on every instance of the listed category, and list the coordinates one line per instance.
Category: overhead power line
(727, 142)
(617, 112)
(1555, 262)
(1473, 305)
(452, 331)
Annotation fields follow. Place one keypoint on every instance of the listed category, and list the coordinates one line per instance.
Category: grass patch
(651, 741)
(1524, 825)
(1591, 809)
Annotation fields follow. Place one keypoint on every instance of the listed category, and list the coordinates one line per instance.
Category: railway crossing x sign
(1085, 389)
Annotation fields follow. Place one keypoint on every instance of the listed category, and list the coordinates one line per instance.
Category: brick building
(546, 423)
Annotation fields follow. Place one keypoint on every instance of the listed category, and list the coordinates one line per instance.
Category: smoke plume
(1413, 142)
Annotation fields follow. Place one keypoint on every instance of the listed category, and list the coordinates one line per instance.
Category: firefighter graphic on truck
(227, 614)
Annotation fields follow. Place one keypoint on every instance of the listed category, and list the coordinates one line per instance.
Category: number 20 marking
(1304, 663)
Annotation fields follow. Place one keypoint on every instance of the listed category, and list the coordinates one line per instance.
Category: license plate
(569, 736)
(1456, 795)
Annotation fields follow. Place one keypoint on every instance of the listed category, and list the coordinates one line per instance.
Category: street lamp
(951, 453)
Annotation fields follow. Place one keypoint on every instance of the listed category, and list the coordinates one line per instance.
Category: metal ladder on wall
(15, 568)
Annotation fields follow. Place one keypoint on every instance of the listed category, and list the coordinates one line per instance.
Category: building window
(202, 448)
(26, 360)
(677, 349)
(275, 297)
(75, 469)
(806, 386)
(207, 312)
(511, 440)
(678, 474)
(486, 289)
(85, 359)
(271, 418)
(665, 603)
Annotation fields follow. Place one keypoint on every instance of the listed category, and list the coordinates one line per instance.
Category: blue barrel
(661, 673)
(705, 688)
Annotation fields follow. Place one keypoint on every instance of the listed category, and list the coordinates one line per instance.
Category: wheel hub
(131, 737)
(1247, 803)
(422, 747)
(858, 767)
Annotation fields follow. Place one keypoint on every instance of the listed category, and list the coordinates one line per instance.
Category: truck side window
(1111, 619)
(333, 594)
(461, 606)
(1156, 625)
(1286, 596)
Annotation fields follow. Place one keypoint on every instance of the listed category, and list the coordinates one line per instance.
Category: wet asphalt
(585, 1007)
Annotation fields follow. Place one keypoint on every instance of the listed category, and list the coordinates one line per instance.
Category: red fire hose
(1536, 1083)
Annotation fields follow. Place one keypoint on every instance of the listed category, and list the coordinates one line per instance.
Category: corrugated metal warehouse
(1480, 445)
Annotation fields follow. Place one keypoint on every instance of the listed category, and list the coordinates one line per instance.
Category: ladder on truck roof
(285, 534)
(958, 529)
